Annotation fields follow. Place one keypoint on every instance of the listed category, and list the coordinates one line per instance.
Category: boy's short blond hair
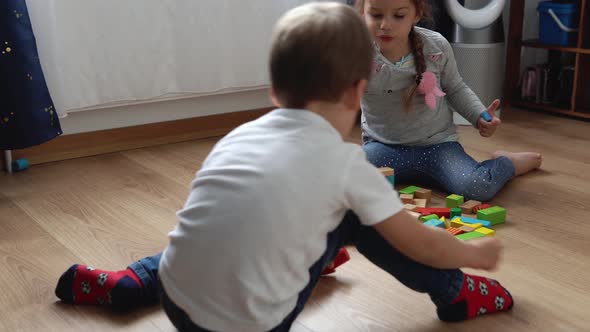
(318, 51)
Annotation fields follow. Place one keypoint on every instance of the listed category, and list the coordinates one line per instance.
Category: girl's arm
(459, 95)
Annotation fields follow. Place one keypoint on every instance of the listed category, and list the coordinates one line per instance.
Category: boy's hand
(487, 129)
(486, 253)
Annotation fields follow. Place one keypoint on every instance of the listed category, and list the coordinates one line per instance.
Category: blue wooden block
(484, 223)
(435, 223)
(391, 180)
(486, 116)
(20, 165)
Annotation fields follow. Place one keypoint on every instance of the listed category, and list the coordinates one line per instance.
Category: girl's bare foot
(523, 161)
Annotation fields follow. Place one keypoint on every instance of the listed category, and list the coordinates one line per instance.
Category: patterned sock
(81, 284)
(341, 258)
(478, 296)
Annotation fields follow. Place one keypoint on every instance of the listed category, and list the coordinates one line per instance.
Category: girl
(407, 120)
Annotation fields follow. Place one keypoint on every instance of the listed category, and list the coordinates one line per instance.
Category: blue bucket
(558, 23)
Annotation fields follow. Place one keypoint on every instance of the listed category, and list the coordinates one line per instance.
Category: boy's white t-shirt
(258, 216)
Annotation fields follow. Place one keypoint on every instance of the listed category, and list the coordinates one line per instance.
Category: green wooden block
(455, 212)
(495, 215)
(454, 201)
(430, 217)
(409, 190)
(469, 236)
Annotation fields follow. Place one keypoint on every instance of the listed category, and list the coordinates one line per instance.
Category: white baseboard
(146, 113)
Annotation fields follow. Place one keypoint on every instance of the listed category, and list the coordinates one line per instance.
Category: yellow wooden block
(446, 221)
(457, 223)
(486, 231)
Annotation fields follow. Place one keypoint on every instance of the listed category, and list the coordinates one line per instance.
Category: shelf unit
(580, 101)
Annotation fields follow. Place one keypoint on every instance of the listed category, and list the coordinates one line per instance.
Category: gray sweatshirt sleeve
(459, 95)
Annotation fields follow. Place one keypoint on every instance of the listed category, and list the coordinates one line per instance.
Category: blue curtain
(27, 114)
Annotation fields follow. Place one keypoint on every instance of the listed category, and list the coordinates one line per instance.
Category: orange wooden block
(455, 231)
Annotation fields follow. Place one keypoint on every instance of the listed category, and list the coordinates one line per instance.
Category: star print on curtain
(27, 114)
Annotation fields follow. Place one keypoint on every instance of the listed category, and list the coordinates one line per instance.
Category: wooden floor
(110, 210)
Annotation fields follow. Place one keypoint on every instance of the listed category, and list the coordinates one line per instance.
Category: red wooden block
(440, 212)
(481, 207)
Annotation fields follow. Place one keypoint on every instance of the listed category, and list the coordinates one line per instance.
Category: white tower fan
(477, 38)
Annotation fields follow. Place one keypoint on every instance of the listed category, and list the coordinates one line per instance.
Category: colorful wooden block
(496, 215)
(410, 207)
(409, 190)
(484, 223)
(424, 194)
(420, 202)
(486, 231)
(407, 199)
(429, 217)
(481, 207)
(468, 206)
(455, 212)
(467, 229)
(469, 236)
(446, 221)
(455, 231)
(440, 212)
(454, 201)
(435, 223)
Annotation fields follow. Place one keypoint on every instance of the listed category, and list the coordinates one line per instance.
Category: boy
(273, 201)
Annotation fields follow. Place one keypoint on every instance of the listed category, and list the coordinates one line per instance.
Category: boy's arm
(437, 248)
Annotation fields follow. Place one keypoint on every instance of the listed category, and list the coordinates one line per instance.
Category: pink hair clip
(429, 89)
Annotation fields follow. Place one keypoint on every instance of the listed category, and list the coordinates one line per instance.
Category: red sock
(341, 258)
(82, 284)
(478, 296)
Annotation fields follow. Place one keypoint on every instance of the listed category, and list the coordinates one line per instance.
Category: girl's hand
(487, 129)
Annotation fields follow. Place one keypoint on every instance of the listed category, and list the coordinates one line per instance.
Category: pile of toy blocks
(465, 220)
